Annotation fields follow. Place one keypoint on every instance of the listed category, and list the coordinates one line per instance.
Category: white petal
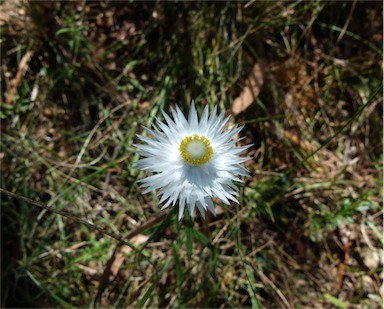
(192, 118)
(181, 207)
(201, 209)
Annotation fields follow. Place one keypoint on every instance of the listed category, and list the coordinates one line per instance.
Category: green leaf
(178, 267)
(189, 241)
(155, 279)
(251, 286)
(376, 231)
(202, 238)
(335, 301)
(147, 294)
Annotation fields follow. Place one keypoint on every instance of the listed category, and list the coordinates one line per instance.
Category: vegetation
(80, 79)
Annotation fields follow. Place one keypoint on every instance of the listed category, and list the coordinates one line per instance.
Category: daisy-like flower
(193, 160)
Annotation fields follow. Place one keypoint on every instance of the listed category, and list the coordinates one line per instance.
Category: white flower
(193, 160)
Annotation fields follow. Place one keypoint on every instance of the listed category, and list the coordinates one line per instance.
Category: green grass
(309, 224)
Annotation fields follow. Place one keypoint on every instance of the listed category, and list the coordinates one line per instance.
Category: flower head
(193, 160)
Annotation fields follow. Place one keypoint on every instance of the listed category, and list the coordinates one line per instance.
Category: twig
(20, 71)
(346, 22)
(343, 265)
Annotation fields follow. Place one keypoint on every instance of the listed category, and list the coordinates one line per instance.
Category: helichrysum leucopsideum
(193, 160)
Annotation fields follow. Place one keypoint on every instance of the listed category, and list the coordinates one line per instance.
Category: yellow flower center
(196, 150)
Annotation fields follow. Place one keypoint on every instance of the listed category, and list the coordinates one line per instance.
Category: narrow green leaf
(202, 238)
(155, 279)
(189, 241)
(376, 231)
(147, 294)
(251, 286)
(178, 268)
(335, 301)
